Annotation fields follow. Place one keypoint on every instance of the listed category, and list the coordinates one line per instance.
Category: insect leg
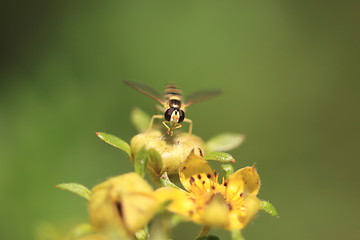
(168, 128)
(152, 120)
(190, 124)
(177, 126)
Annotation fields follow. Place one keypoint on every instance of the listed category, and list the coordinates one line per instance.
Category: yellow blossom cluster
(122, 207)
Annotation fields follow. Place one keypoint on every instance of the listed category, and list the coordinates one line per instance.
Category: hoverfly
(172, 101)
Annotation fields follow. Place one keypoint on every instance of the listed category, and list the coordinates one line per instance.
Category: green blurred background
(290, 75)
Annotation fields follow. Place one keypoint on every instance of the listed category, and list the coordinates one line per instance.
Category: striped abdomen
(173, 96)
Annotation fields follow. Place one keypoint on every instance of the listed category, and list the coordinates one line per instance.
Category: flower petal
(181, 202)
(138, 209)
(216, 212)
(240, 216)
(135, 198)
(244, 180)
(195, 173)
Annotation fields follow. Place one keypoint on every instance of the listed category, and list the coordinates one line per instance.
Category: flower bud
(173, 150)
(124, 204)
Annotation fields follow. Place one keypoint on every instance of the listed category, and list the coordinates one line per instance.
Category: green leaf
(160, 228)
(140, 119)
(209, 237)
(219, 156)
(224, 142)
(165, 181)
(228, 169)
(140, 162)
(76, 188)
(155, 160)
(269, 208)
(115, 141)
(177, 219)
(80, 231)
(142, 234)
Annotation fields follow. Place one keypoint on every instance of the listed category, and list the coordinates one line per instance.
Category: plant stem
(204, 231)
(236, 235)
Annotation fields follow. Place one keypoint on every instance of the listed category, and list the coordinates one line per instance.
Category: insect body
(172, 101)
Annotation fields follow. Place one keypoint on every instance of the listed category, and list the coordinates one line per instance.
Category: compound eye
(167, 114)
(182, 116)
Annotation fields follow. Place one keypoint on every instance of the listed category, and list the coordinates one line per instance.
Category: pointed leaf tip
(115, 141)
(75, 188)
(166, 182)
(269, 208)
(220, 157)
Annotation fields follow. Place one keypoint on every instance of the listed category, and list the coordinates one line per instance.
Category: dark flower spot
(184, 168)
(208, 175)
(203, 182)
(241, 194)
(119, 209)
(213, 187)
(229, 206)
(192, 180)
(225, 184)
(199, 176)
(215, 173)
(191, 212)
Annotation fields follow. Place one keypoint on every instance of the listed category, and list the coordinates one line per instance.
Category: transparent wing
(148, 91)
(202, 96)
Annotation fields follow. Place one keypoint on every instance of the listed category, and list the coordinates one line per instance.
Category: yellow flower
(124, 204)
(230, 205)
